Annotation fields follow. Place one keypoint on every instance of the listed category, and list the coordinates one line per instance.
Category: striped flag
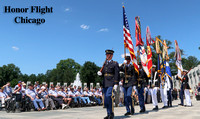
(138, 36)
(128, 40)
(140, 44)
(149, 41)
(178, 60)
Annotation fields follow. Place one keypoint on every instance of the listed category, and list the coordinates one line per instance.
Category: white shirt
(2, 95)
(78, 93)
(71, 93)
(86, 93)
(53, 92)
(121, 86)
(62, 93)
(31, 93)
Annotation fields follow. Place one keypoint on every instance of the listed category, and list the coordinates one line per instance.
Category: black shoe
(187, 106)
(180, 104)
(132, 112)
(156, 108)
(106, 117)
(127, 113)
(164, 107)
(142, 110)
(111, 117)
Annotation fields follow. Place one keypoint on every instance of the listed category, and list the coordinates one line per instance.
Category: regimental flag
(165, 51)
(158, 51)
(168, 70)
(138, 37)
(178, 60)
(149, 41)
(168, 75)
(128, 41)
(143, 58)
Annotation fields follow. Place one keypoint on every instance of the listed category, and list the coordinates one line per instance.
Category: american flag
(128, 40)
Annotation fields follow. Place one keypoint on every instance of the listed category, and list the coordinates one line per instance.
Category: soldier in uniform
(142, 80)
(110, 74)
(186, 88)
(154, 83)
(129, 79)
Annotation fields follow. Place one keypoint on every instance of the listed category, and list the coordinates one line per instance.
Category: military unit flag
(178, 60)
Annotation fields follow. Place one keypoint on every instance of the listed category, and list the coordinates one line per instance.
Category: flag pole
(125, 59)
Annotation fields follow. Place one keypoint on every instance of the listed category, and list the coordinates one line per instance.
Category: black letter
(16, 20)
(7, 8)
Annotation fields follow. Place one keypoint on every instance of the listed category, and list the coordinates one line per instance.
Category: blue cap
(19, 81)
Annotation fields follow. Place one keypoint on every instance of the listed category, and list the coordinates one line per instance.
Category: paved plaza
(97, 112)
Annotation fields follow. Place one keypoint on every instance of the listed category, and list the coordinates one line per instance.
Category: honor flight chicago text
(32, 9)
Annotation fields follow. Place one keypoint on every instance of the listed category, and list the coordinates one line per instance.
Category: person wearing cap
(34, 98)
(110, 74)
(18, 86)
(129, 79)
(54, 95)
(63, 95)
(46, 99)
(186, 88)
(142, 79)
(7, 89)
(154, 84)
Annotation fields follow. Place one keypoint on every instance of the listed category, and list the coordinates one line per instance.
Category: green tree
(9, 73)
(190, 62)
(66, 70)
(88, 73)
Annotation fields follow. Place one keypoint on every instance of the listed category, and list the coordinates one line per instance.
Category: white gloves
(99, 73)
(125, 61)
(115, 87)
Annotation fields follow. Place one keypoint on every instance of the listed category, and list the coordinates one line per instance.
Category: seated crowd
(40, 97)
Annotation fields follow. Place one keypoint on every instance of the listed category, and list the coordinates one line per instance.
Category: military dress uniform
(142, 80)
(163, 92)
(154, 86)
(110, 74)
(186, 88)
(130, 78)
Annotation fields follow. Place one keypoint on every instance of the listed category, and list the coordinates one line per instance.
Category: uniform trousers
(187, 97)
(108, 100)
(154, 96)
(141, 97)
(169, 97)
(181, 95)
(128, 98)
(163, 93)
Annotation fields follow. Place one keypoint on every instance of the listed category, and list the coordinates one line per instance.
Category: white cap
(42, 87)
(154, 66)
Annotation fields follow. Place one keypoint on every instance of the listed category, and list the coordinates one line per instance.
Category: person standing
(128, 81)
(142, 79)
(186, 88)
(154, 85)
(110, 74)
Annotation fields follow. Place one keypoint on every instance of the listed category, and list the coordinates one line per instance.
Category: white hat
(154, 66)
(43, 87)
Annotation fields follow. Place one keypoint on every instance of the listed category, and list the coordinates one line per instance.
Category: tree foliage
(88, 73)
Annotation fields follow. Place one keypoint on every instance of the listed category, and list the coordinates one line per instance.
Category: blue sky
(83, 29)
